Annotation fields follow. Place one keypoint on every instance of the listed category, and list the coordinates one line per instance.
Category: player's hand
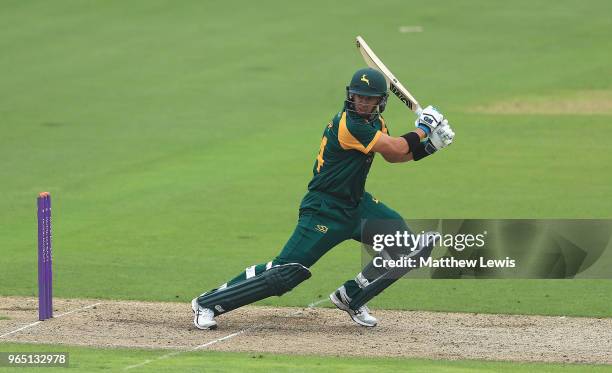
(429, 119)
(442, 136)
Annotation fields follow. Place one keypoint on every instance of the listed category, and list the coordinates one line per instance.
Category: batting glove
(429, 119)
(442, 136)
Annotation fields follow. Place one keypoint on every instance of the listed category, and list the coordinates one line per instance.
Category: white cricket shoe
(361, 316)
(204, 318)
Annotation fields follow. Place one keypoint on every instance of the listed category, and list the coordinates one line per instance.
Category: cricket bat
(394, 84)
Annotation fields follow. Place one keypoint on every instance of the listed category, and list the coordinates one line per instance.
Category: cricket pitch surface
(317, 331)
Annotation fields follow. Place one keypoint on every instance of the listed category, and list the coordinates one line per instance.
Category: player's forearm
(401, 158)
(397, 149)
(405, 157)
(421, 133)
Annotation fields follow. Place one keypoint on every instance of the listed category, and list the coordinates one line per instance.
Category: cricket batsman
(336, 207)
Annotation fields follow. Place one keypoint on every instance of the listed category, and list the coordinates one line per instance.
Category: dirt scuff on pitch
(319, 331)
(589, 102)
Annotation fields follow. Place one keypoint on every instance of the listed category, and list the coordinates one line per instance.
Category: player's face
(364, 105)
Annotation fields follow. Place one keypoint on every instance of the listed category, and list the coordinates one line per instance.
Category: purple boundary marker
(44, 257)
(45, 264)
(45, 295)
(40, 258)
(49, 262)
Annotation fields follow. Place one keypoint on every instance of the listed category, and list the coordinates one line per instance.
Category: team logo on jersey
(321, 228)
(364, 78)
(375, 200)
(219, 308)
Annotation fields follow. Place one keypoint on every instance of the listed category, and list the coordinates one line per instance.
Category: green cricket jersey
(345, 157)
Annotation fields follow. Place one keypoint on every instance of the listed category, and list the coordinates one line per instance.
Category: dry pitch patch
(580, 102)
(320, 331)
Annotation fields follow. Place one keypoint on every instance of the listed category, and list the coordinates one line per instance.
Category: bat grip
(418, 111)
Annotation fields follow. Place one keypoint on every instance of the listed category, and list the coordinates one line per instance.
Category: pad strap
(276, 280)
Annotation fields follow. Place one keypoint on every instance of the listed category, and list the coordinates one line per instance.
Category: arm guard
(418, 149)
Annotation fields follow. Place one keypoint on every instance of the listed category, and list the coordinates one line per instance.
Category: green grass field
(90, 360)
(177, 140)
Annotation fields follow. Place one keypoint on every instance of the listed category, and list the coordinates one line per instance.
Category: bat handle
(418, 111)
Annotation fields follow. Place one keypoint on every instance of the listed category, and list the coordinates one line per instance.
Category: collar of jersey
(356, 117)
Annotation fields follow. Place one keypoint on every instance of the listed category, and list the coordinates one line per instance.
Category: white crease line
(150, 361)
(314, 304)
(78, 309)
(141, 364)
(210, 343)
(20, 329)
(38, 322)
(191, 349)
(221, 339)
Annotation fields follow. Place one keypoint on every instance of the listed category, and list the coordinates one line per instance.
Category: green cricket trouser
(323, 223)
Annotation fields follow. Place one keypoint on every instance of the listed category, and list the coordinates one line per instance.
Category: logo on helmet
(364, 78)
